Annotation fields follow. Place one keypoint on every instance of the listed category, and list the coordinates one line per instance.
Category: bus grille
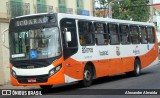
(39, 79)
(27, 65)
(30, 64)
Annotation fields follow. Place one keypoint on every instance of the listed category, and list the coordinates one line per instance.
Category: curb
(18, 87)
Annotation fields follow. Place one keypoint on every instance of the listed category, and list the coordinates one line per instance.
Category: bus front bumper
(57, 78)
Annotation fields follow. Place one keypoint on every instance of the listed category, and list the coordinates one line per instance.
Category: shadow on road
(115, 78)
(74, 87)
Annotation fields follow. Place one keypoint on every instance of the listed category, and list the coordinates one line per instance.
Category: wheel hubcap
(87, 75)
(138, 69)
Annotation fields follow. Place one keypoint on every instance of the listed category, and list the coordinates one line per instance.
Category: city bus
(55, 48)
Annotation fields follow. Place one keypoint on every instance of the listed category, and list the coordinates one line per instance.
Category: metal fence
(40, 8)
(17, 9)
(64, 10)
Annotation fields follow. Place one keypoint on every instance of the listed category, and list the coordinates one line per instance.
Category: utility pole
(110, 9)
(93, 3)
(151, 11)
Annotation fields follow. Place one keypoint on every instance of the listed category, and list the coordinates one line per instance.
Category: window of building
(62, 6)
(41, 6)
(16, 8)
(26, 8)
(134, 34)
(124, 34)
(101, 35)
(143, 35)
(80, 6)
(86, 33)
(113, 32)
(151, 35)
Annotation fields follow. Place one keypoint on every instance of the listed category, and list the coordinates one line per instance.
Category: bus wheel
(87, 77)
(137, 69)
(46, 87)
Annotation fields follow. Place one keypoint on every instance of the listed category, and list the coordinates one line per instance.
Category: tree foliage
(136, 10)
(103, 3)
(158, 43)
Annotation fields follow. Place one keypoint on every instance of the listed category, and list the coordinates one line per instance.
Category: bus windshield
(36, 44)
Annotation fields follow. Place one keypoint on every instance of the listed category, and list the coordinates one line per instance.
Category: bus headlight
(55, 69)
(13, 73)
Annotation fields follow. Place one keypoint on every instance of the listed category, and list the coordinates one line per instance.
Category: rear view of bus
(35, 51)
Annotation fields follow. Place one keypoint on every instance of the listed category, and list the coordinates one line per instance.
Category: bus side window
(69, 25)
(101, 36)
(113, 32)
(73, 42)
(69, 48)
(124, 34)
(86, 33)
(151, 35)
(143, 35)
(134, 34)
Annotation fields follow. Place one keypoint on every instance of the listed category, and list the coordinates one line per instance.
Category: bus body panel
(108, 60)
(73, 69)
(111, 66)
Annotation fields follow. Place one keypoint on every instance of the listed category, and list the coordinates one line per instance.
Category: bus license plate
(32, 80)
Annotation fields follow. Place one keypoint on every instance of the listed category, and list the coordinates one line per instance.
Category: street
(149, 79)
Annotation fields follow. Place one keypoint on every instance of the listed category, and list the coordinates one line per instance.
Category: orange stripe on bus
(105, 67)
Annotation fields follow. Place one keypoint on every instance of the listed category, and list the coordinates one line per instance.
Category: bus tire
(87, 77)
(46, 87)
(137, 69)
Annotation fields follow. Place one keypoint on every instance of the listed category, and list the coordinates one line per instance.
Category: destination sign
(33, 21)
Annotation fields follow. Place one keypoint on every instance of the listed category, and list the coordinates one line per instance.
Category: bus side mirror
(68, 36)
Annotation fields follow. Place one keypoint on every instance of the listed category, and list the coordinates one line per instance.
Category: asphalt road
(149, 79)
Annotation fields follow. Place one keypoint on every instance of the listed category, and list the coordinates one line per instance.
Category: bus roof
(64, 15)
(32, 15)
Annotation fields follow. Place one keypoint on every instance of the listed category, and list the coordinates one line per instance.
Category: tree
(158, 43)
(136, 10)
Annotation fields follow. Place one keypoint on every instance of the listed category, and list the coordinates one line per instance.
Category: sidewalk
(9, 86)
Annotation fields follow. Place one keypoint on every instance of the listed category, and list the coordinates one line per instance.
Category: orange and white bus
(54, 48)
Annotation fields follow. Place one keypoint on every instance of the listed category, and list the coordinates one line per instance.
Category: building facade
(13, 8)
(155, 15)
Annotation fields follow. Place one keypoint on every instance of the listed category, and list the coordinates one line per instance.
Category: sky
(156, 1)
